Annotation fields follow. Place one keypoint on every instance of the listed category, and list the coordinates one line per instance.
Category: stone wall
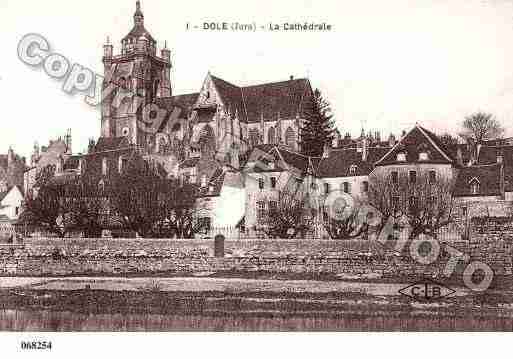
(345, 259)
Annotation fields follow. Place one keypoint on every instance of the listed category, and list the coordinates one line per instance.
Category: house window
(260, 210)
(347, 187)
(395, 202)
(261, 183)
(432, 177)
(273, 182)
(401, 157)
(352, 169)
(204, 181)
(16, 211)
(326, 188)
(423, 156)
(365, 186)
(412, 204)
(273, 205)
(313, 186)
(413, 177)
(395, 177)
(464, 211)
(474, 187)
(105, 166)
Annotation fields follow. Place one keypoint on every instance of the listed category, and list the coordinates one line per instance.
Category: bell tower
(134, 78)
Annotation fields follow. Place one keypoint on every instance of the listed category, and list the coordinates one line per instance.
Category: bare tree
(286, 215)
(145, 201)
(47, 211)
(136, 196)
(87, 207)
(480, 126)
(347, 226)
(424, 202)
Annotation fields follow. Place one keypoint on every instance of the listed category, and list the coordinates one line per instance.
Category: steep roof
(286, 98)
(232, 95)
(339, 162)
(488, 177)
(411, 143)
(5, 193)
(109, 143)
(283, 98)
(185, 102)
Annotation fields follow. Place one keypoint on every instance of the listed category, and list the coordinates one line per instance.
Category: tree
(135, 196)
(480, 126)
(425, 204)
(87, 205)
(349, 226)
(286, 216)
(447, 139)
(318, 128)
(47, 210)
(181, 212)
(152, 205)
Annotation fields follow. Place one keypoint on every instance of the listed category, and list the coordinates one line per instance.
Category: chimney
(291, 77)
(108, 50)
(67, 140)
(391, 140)
(378, 136)
(326, 151)
(10, 156)
(365, 149)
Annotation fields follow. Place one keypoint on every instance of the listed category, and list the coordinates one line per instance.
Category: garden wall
(346, 259)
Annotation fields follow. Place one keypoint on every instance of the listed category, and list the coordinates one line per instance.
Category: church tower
(133, 79)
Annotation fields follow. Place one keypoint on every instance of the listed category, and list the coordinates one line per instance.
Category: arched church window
(254, 137)
(290, 137)
(271, 136)
(105, 166)
(207, 139)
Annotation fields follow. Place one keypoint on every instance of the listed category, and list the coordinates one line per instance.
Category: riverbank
(178, 304)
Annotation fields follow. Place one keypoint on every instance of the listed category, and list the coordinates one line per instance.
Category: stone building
(220, 123)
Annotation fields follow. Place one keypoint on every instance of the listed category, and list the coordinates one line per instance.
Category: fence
(6, 229)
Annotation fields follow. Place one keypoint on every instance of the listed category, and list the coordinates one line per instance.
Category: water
(45, 320)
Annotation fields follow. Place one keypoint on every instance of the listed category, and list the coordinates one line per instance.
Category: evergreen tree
(318, 128)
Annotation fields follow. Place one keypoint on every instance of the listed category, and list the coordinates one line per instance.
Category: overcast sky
(385, 65)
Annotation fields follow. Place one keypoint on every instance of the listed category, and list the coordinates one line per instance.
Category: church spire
(138, 15)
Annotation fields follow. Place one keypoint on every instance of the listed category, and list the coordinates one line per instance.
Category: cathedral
(221, 122)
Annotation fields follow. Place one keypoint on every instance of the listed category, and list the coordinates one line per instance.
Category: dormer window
(401, 157)
(423, 156)
(352, 169)
(474, 186)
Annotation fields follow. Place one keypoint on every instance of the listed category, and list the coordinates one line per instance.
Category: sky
(385, 65)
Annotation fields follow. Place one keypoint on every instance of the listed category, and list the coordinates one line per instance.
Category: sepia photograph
(291, 166)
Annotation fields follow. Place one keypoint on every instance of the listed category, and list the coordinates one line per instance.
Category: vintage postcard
(291, 166)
